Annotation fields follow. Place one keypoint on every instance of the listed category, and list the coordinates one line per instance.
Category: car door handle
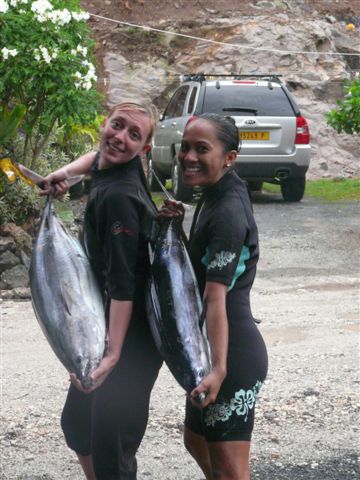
(173, 124)
(162, 126)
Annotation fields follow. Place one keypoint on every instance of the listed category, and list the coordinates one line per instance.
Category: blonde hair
(147, 109)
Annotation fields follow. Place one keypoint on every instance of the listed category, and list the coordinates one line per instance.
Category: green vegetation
(346, 118)
(46, 64)
(328, 190)
(48, 99)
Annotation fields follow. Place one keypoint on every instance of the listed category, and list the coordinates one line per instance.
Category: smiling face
(124, 135)
(203, 157)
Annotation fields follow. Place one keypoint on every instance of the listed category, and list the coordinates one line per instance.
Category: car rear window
(240, 100)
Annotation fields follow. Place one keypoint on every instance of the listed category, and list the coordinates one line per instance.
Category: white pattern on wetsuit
(221, 260)
(241, 403)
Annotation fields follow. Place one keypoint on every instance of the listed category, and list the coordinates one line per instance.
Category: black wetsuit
(223, 248)
(109, 423)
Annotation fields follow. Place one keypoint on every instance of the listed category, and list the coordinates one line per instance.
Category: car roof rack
(201, 77)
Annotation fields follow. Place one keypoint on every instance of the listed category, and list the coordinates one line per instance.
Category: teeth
(112, 147)
(192, 169)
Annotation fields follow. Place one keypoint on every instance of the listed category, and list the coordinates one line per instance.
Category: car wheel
(151, 180)
(292, 189)
(180, 191)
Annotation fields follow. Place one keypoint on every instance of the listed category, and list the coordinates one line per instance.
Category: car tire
(180, 191)
(153, 184)
(292, 189)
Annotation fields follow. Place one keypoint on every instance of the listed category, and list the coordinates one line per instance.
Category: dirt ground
(307, 422)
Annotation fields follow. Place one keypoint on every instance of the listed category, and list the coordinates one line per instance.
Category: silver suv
(275, 140)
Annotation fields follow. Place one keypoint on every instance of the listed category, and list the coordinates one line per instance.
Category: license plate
(254, 135)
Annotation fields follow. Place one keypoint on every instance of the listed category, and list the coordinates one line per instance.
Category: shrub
(46, 64)
(346, 118)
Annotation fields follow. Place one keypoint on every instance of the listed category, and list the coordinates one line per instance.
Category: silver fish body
(66, 298)
(174, 307)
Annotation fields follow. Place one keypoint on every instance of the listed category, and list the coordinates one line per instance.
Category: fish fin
(71, 300)
(151, 253)
(154, 314)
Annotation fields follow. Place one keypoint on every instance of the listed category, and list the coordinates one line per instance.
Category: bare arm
(217, 329)
(58, 178)
(120, 315)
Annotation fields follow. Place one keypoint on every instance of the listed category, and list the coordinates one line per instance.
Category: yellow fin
(12, 171)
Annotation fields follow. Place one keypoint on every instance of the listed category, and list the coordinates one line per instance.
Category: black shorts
(230, 418)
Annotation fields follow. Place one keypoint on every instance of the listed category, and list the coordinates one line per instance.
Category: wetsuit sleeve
(225, 252)
(121, 238)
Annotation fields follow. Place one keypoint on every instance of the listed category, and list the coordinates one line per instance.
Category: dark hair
(227, 132)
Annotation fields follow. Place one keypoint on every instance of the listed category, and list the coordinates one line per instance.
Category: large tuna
(174, 307)
(66, 298)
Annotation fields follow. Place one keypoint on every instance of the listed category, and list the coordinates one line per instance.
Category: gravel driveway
(307, 296)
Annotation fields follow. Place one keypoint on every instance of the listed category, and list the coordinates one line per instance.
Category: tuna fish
(66, 298)
(174, 307)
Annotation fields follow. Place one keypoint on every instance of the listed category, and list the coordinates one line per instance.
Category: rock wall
(147, 65)
(15, 254)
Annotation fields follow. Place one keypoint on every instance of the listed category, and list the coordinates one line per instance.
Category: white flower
(79, 49)
(14, 3)
(4, 7)
(42, 53)
(80, 16)
(60, 17)
(41, 6)
(82, 50)
(6, 52)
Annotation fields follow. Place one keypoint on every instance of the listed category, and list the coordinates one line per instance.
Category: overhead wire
(218, 42)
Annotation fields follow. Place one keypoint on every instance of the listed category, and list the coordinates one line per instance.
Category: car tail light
(302, 131)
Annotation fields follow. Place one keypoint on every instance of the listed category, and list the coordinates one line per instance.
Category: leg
(76, 425)
(230, 460)
(197, 446)
(87, 466)
(121, 407)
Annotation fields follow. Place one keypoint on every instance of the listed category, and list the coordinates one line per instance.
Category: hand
(99, 375)
(210, 386)
(55, 183)
(172, 208)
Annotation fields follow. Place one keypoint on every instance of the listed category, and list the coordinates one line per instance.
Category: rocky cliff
(289, 38)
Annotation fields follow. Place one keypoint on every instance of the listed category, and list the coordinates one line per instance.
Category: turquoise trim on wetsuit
(241, 267)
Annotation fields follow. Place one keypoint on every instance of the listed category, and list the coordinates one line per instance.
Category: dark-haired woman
(223, 247)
